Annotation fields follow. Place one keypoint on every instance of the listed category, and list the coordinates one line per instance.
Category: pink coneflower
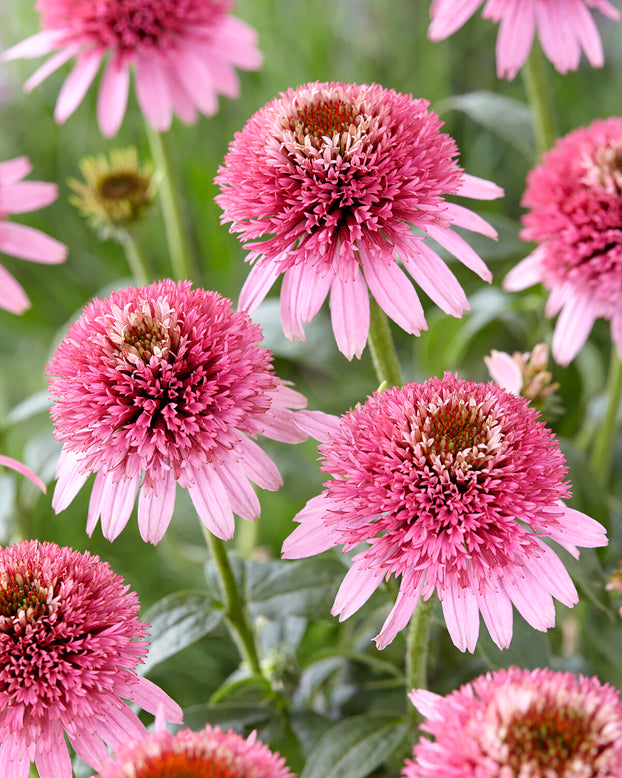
(565, 28)
(164, 384)
(453, 486)
(324, 185)
(210, 753)
(184, 53)
(525, 373)
(70, 640)
(575, 202)
(529, 724)
(19, 467)
(18, 240)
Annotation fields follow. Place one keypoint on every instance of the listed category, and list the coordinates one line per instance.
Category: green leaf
(303, 587)
(228, 716)
(508, 118)
(31, 406)
(177, 621)
(353, 748)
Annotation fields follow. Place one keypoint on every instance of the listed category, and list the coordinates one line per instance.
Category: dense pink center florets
(69, 633)
(575, 202)
(158, 376)
(130, 24)
(447, 474)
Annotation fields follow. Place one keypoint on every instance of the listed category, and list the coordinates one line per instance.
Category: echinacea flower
(165, 384)
(70, 640)
(324, 185)
(525, 373)
(21, 468)
(453, 486)
(574, 197)
(19, 240)
(183, 55)
(565, 29)
(532, 723)
(210, 753)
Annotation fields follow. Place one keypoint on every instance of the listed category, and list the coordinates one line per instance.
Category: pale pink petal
(426, 702)
(311, 536)
(76, 84)
(258, 466)
(21, 468)
(533, 603)
(358, 585)
(183, 103)
(349, 313)
(51, 65)
(394, 293)
(14, 760)
(151, 698)
(407, 600)
(117, 503)
(87, 744)
(153, 93)
(13, 170)
(317, 424)
(526, 273)
(225, 79)
(26, 196)
(466, 218)
(71, 478)
(156, 503)
(112, 96)
(557, 36)
(496, 609)
(449, 15)
(436, 279)
(95, 502)
(191, 71)
(588, 35)
(211, 501)
(578, 529)
(572, 328)
(550, 573)
(616, 331)
(244, 500)
(26, 242)
(516, 33)
(461, 615)
(302, 294)
(259, 282)
(51, 754)
(460, 249)
(239, 41)
(504, 371)
(479, 188)
(12, 296)
(119, 725)
(41, 43)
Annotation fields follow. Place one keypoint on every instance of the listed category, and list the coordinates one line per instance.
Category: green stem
(235, 608)
(382, 347)
(417, 642)
(178, 243)
(602, 453)
(135, 260)
(540, 98)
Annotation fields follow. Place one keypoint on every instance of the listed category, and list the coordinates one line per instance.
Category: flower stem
(602, 453)
(540, 99)
(417, 641)
(135, 260)
(382, 347)
(178, 243)
(236, 613)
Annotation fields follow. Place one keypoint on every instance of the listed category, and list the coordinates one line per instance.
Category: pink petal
(449, 15)
(27, 196)
(71, 478)
(88, 745)
(504, 371)
(117, 503)
(579, 529)
(191, 71)
(516, 32)
(244, 500)
(211, 502)
(112, 97)
(426, 702)
(349, 312)
(460, 249)
(13, 170)
(556, 34)
(526, 273)
(41, 43)
(156, 503)
(27, 243)
(151, 698)
(436, 279)
(317, 424)
(258, 466)
(572, 328)
(533, 603)
(588, 35)
(464, 217)
(550, 573)
(153, 93)
(312, 536)
(496, 609)
(12, 297)
(358, 585)
(51, 753)
(118, 725)
(21, 468)
(479, 188)
(407, 600)
(616, 331)
(239, 41)
(461, 615)
(257, 285)
(52, 65)
(76, 85)
(394, 293)
(302, 294)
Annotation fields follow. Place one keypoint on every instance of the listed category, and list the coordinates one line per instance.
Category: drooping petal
(461, 614)
(23, 469)
(112, 96)
(156, 503)
(76, 85)
(349, 313)
(211, 500)
(25, 242)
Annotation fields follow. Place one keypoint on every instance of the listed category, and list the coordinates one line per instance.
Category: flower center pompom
(23, 600)
(604, 168)
(149, 332)
(323, 118)
(131, 24)
(553, 739)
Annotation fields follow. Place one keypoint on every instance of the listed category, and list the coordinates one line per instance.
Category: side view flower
(565, 29)
(574, 197)
(19, 240)
(210, 753)
(453, 486)
(324, 185)
(183, 56)
(70, 640)
(520, 723)
(165, 384)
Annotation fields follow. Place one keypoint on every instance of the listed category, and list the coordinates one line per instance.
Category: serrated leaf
(353, 748)
(177, 621)
(508, 118)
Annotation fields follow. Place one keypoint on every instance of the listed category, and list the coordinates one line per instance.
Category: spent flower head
(453, 486)
(565, 29)
(70, 640)
(165, 384)
(183, 55)
(532, 723)
(574, 197)
(116, 191)
(324, 186)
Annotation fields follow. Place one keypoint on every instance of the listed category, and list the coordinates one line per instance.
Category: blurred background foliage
(328, 671)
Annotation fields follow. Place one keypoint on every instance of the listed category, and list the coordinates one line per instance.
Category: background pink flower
(70, 640)
(210, 753)
(520, 723)
(18, 240)
(324, 185)
(574, 197)
(453, 486)
(165, 384)
(183, 53)
(565, 28)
